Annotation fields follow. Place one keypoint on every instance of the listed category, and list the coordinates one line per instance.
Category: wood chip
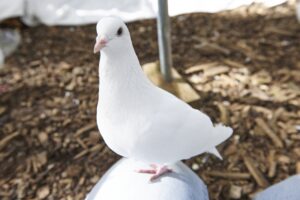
(82, 153)
(71, 85)
(297, 151)
(216, 70)
(2, 110)
(278, 31)
(224, 115)
(81, 143)
(85, 129)
(234, 63)
(42, 158)
(248, 188)
(43, 137)
(255, 172)
(269, 132)
(272, 164)
(298, 167)
(295, 137)
(283, 159)
(43, 192)
(97, 147)
(228, 175)
(200, 67)
(235, 192)
(7, 139)
(211, 47)
(35, 63)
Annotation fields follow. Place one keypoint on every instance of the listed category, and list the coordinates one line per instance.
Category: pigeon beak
(100, 43)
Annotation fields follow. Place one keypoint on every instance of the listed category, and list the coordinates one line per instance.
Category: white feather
(216, 153)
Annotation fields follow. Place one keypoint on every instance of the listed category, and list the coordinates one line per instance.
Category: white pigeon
(139, 120)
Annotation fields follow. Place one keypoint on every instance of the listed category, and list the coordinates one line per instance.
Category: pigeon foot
(156, 171)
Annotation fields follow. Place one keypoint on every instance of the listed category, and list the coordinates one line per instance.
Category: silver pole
(164, 40)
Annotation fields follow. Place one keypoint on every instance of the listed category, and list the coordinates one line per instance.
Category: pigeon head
(112, 35)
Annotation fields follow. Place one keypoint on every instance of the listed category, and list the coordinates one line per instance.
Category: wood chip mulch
(245, 64)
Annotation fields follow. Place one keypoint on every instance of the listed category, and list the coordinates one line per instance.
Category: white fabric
(1, 58)
(121, 182)
(65, 12)
(298, 14)
(75, 12)
(12, 8)
(284, 190)
(9, 41)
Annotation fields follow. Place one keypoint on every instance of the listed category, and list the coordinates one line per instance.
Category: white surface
(1, 58)
(139, 120)
(9, 41)
(65, 12)
(298, 10)
(71, 12)
(122, 183)
(12, 8)
(288, 189)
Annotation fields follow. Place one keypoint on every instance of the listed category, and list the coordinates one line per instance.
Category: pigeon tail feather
(220, 134)
(216, 153)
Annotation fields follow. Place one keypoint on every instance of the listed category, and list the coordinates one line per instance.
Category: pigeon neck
(121, 66)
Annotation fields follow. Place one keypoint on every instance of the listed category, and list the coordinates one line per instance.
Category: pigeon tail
(220, 134)
(216, 153)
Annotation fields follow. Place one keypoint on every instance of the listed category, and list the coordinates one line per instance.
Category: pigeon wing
(176, 131)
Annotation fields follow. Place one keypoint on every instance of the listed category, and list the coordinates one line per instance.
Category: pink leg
(148, 171)
(160, 172)
(156, 171)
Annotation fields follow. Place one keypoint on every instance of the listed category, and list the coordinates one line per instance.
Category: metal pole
(164, 40)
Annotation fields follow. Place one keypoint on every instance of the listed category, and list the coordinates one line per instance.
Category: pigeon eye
(120, 31)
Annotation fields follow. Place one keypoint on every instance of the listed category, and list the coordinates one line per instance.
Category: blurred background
(241, 57)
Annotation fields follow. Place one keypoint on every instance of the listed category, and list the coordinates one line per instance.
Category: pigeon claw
(160, 172)
(156, 171)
